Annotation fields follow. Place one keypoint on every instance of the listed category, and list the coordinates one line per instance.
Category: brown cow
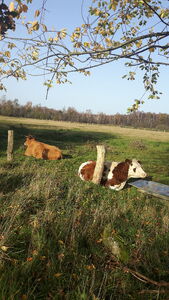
(41, 150)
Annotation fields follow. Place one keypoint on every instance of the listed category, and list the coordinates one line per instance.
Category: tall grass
(62, 238)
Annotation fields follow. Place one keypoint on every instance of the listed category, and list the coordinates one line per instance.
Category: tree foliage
(135, 31)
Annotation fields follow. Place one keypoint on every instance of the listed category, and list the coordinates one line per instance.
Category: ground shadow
(67, 156)
(148, 178)
(62, 138)
(10, 183)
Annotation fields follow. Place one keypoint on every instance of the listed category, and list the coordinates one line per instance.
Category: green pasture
(62, 238)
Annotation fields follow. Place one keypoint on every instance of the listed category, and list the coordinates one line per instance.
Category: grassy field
(62, 238)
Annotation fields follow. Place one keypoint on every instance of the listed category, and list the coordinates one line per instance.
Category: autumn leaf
(37, 13)
(138, 43)
(24, 297)
(90, 267)
(44, 27)
(29, 259)
(63, 33)
(164, 13)
(86, 44)
(61, 256)
(11, 6)
(7, 53)
(56, 38)
(43, 257)
(2, 87)
(57, 275)
(4, 248)
(24, 8)
(35, 252)
(35, 25)
(11, 45)
(113, 4)
(60, 242)
(151, 49)
(99, 241)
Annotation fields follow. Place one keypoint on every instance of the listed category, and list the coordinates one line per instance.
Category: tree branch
(155, 12)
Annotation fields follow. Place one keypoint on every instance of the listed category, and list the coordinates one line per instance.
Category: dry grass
(125, 132)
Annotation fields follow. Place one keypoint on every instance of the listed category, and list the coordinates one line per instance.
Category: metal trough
(151, 187)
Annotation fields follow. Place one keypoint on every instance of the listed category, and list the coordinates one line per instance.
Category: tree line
(137, 119)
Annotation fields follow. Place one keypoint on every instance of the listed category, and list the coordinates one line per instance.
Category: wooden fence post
(101, 151)
(10, 146)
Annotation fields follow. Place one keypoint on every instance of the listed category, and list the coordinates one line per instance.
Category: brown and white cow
(115, 174)
(41, 150)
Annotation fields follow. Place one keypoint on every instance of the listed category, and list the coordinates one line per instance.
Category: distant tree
(132, 30)
(136, 119)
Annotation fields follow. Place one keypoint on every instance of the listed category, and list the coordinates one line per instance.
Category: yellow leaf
(63, 30)
(4, 248)
(60, 242)
(43, 257)
(11, 45)
(164, 13)
(97, 12)
(7, 53)
(63, 33)
(11, 6)
(138, 43)
(55, 39)
(113, 6)
(44, 27)
(37, 13)
(24, 8)
(151, 49)
(86, 44)
(50, 39)
(57, 275)
(61, 256)
(129, 17)
(77, 29)
(35, 25)
(90, 267)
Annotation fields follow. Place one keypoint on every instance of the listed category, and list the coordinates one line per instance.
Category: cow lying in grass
(115, 174)
(41, 150)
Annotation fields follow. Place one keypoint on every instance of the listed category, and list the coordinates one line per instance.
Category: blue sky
(104, 91)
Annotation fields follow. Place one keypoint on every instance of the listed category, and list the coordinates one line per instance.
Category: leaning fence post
(101, 151)
(10, 146)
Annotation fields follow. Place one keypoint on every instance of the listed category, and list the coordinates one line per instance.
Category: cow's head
(135, 169)
(28, 140)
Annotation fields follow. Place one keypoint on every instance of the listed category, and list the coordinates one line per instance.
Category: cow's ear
(139, 162)
(128, 161)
